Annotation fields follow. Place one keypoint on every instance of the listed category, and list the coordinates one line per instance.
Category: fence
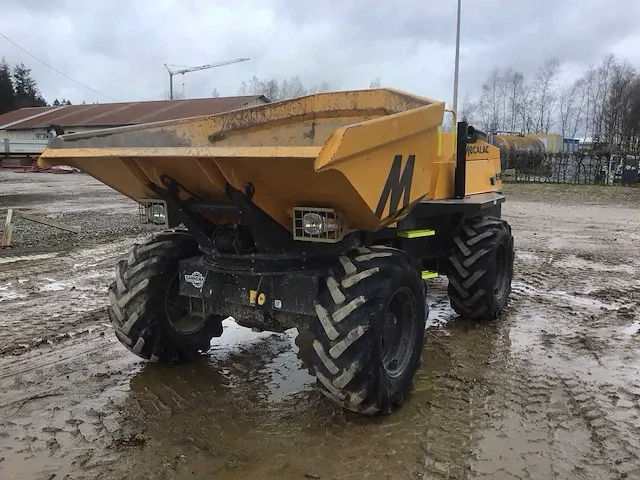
(581, 167)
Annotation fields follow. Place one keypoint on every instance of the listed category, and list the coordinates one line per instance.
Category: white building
(27, 131)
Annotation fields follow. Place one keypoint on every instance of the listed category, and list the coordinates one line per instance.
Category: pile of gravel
(95, 227)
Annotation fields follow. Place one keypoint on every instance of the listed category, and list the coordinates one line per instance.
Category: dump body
(371, 154)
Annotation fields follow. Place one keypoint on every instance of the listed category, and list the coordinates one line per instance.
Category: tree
(57, 103)
(505, 102)
(619, 118)
(323, 87)
(514, 91)
(489, 105)
(544, 95)
(177, 95)
(570, 108)
(597, 86)
(215, 93)
(375, 83)
(603, 104)
(26, 88)
(467, 110)
(292, 88)
(7, 93)
(276, 90)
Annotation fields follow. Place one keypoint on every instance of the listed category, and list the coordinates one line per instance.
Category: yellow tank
(518, 143)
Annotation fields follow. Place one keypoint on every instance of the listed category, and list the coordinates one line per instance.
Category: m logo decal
(398, 186)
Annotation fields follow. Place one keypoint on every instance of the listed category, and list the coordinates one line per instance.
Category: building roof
(124, 113)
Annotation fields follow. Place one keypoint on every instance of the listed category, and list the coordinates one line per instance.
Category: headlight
(316, 224)
(152, 211)
(158, 215)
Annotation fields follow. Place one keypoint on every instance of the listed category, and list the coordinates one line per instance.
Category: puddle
(286, 372)
(53, 287)
(11, 296)
(8, 292)
(573, 262)
(527, 256)
(254, 412)
(576, 300)
(235, 337)
(632, 329)
(440, 311)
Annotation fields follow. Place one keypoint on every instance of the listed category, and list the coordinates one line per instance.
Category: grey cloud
(118, 47)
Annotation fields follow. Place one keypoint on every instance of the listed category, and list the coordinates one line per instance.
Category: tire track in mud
(456, 362)
(547, 424)
(79, 409)
(603, 298)
(564, 396)
(60, 409)
(66, 292)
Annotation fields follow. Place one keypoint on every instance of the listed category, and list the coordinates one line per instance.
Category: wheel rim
(399, 332)
(502, 279)
(176, 307)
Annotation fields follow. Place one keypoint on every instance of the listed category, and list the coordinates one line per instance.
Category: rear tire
(150, 318)
(369, 335)
(481, 267)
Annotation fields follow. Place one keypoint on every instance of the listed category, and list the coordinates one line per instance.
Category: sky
(119, 47)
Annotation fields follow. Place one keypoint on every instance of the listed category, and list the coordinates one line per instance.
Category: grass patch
(578, 194)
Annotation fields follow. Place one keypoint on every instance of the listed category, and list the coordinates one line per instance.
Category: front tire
(369, 335)
(481, 267)
(149, 316)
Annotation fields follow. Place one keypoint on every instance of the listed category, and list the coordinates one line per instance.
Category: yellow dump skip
(369, 153)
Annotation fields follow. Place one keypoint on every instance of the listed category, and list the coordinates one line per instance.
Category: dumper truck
(328, 213)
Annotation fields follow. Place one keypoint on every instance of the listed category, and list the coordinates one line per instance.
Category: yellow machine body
(371, 154)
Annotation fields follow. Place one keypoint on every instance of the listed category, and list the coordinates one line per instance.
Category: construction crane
(196, 69)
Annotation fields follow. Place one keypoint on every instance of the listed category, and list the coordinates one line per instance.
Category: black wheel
(481, 267)
(369, 334)
(149, 316)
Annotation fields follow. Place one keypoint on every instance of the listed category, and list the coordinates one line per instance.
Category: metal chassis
(273, 287)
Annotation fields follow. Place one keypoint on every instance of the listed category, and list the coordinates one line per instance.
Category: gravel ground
(95, 227)
(73, 199)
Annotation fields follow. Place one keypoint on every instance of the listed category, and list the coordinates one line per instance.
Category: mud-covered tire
(144, 299)
(353, 366)
(481, 267)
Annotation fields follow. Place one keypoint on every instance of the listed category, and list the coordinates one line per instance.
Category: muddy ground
(550, 390)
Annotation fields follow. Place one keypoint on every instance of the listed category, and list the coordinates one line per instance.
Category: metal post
(460, 178)
(455, 75)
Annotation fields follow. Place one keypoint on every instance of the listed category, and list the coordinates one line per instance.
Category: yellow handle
(454, 117)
